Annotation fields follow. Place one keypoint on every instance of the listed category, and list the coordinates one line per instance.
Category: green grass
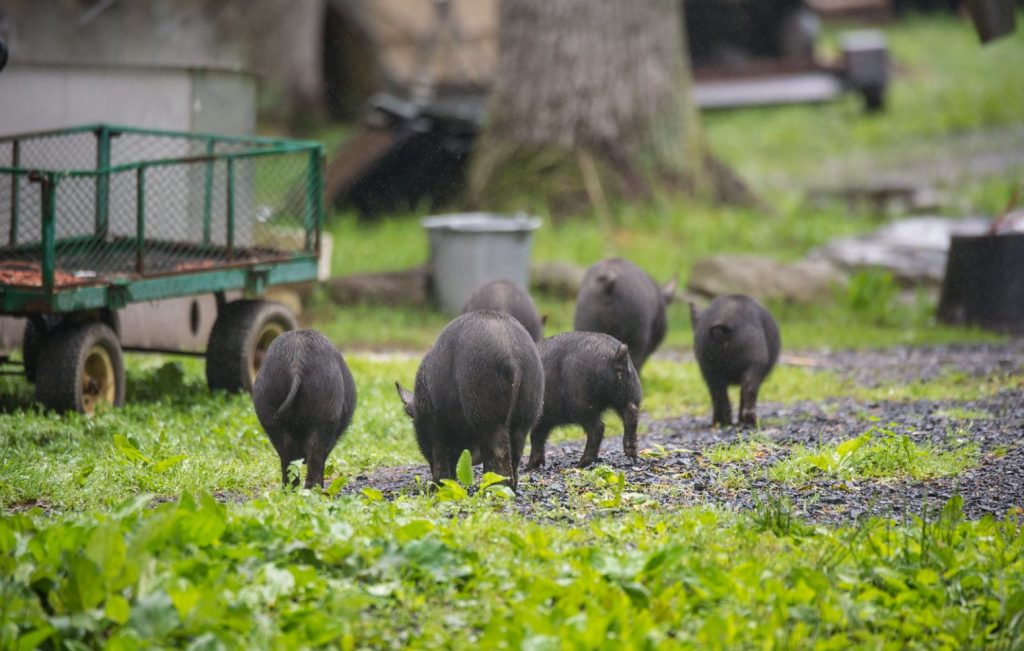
(945, 85)
(162, 524)
(173, 436)
(95, 560)
(748, 449)
(962, 414)
(878, 453)
(294, 570)
(672, 388)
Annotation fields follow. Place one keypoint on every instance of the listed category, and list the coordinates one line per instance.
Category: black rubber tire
(231, 351)
(61, 361)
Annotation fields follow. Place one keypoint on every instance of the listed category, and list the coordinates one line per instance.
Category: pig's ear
(693, 314)
(621, 360)
(607, 280)
(407, 400)
(668, 291)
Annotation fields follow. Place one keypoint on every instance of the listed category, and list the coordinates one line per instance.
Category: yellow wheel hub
(99, 383)
(269, 333)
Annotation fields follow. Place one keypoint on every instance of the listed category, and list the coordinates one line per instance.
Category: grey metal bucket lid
(481, 222)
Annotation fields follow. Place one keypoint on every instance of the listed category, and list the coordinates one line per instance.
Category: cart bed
(102, 215)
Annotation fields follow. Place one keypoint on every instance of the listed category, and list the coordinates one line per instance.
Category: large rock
(405, 287)
(913, 250)
(763, 278)
(557, 279)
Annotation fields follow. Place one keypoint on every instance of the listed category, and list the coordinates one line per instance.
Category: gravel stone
(675, 472)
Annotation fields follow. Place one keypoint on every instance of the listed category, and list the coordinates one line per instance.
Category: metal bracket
(117, 293)
(256, 279)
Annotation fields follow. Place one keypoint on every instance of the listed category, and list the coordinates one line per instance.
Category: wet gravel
(675, 471)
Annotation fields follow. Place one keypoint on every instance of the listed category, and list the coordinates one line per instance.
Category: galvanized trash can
(470, 249)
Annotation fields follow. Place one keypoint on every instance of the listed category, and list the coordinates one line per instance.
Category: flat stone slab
(914, 249)
(764, 278)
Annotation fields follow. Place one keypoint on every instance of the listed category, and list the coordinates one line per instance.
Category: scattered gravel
(905, 364)
(675, 471)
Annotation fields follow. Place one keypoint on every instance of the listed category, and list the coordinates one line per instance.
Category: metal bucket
(470, 249)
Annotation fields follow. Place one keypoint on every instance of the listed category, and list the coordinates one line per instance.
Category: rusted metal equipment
(762, 52)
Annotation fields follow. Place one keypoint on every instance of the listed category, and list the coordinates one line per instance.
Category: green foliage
(748, 449)
(464, 468)
(873, 294)
(294, 569)
(178, 437)
(946, 85)
(877, 453)
(162, 525)
(775, 514)
(491, 483)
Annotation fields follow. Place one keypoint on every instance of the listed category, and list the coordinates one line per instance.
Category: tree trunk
(591, 102)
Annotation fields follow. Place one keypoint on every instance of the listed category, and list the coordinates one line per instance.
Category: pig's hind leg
(496, 450)
(318, 448)
(595, 434)
(720, 404)
(288, 452)
(749, 388)
(538, 439)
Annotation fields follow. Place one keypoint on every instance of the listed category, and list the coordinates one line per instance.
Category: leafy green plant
(293, 569)
(877, 453)
(748, 449)
(775, 514)
(873, 295)
(491, 483)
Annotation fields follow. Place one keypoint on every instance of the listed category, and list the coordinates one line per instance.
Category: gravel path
(677, 473)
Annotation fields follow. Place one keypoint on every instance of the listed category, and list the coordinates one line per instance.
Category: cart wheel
(239, 341)
(78, 367)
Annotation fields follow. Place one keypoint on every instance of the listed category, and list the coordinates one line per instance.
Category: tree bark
(591, 103)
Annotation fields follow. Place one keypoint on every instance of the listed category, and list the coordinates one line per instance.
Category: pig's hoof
(583, 463)
(534, 464)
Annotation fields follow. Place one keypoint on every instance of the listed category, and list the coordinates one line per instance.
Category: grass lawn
(162, 524)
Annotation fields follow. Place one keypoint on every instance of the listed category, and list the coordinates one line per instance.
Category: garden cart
(96, 217)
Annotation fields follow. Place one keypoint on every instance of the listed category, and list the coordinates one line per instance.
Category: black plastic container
(992, 18)
(984, 282)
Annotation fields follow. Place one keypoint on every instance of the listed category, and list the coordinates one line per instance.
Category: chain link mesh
(131, 205)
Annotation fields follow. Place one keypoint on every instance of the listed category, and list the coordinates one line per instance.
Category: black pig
(508, 297)
(736, 341)
(585, 374)
(481, 385)
(304, 396)
(619, 299)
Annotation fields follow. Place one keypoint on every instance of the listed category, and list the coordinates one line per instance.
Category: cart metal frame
(98, 216)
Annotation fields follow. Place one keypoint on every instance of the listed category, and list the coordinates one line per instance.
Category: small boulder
(763, 278)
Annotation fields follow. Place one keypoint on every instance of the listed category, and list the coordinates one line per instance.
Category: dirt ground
(675, 471)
